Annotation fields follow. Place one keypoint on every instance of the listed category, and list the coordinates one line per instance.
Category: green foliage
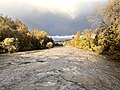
(49, 45)
(39, 34)
(10, 44)
(21, 27)
(1, 38)
(7, 23)
(44, 42)
(84, 41)
(11, 30)
(42, 38)
(107, 36)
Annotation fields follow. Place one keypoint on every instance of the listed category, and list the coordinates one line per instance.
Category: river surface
(59, 68)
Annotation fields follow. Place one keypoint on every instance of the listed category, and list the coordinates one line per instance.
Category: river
(59, 68)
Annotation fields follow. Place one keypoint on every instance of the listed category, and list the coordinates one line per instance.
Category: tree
(108, 34)
(14, 36)
(21, 27)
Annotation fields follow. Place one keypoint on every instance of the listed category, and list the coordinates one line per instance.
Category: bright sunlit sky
(57, 17)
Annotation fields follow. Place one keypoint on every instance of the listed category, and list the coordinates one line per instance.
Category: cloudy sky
(57, 17)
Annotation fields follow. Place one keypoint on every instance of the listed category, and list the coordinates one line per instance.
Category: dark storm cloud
(53, 23)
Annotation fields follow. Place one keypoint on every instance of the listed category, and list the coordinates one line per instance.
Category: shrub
(39, 34)
(14, 32)
(42, 38)
(84, 41)
(21, 26)
(107, 36)
(44, 42)
(49, 45)
(1, 38)
(10, 45)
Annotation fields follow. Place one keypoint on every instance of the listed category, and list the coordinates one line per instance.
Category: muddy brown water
(59, 68)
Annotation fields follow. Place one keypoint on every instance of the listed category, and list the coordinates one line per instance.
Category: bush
(44, 42)
(107, 36)
(14, 36)
(1, 38)
(10, 45)
(21, 26)
(84, 41)
(42, 38)
(49, 45)
(39, 34)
